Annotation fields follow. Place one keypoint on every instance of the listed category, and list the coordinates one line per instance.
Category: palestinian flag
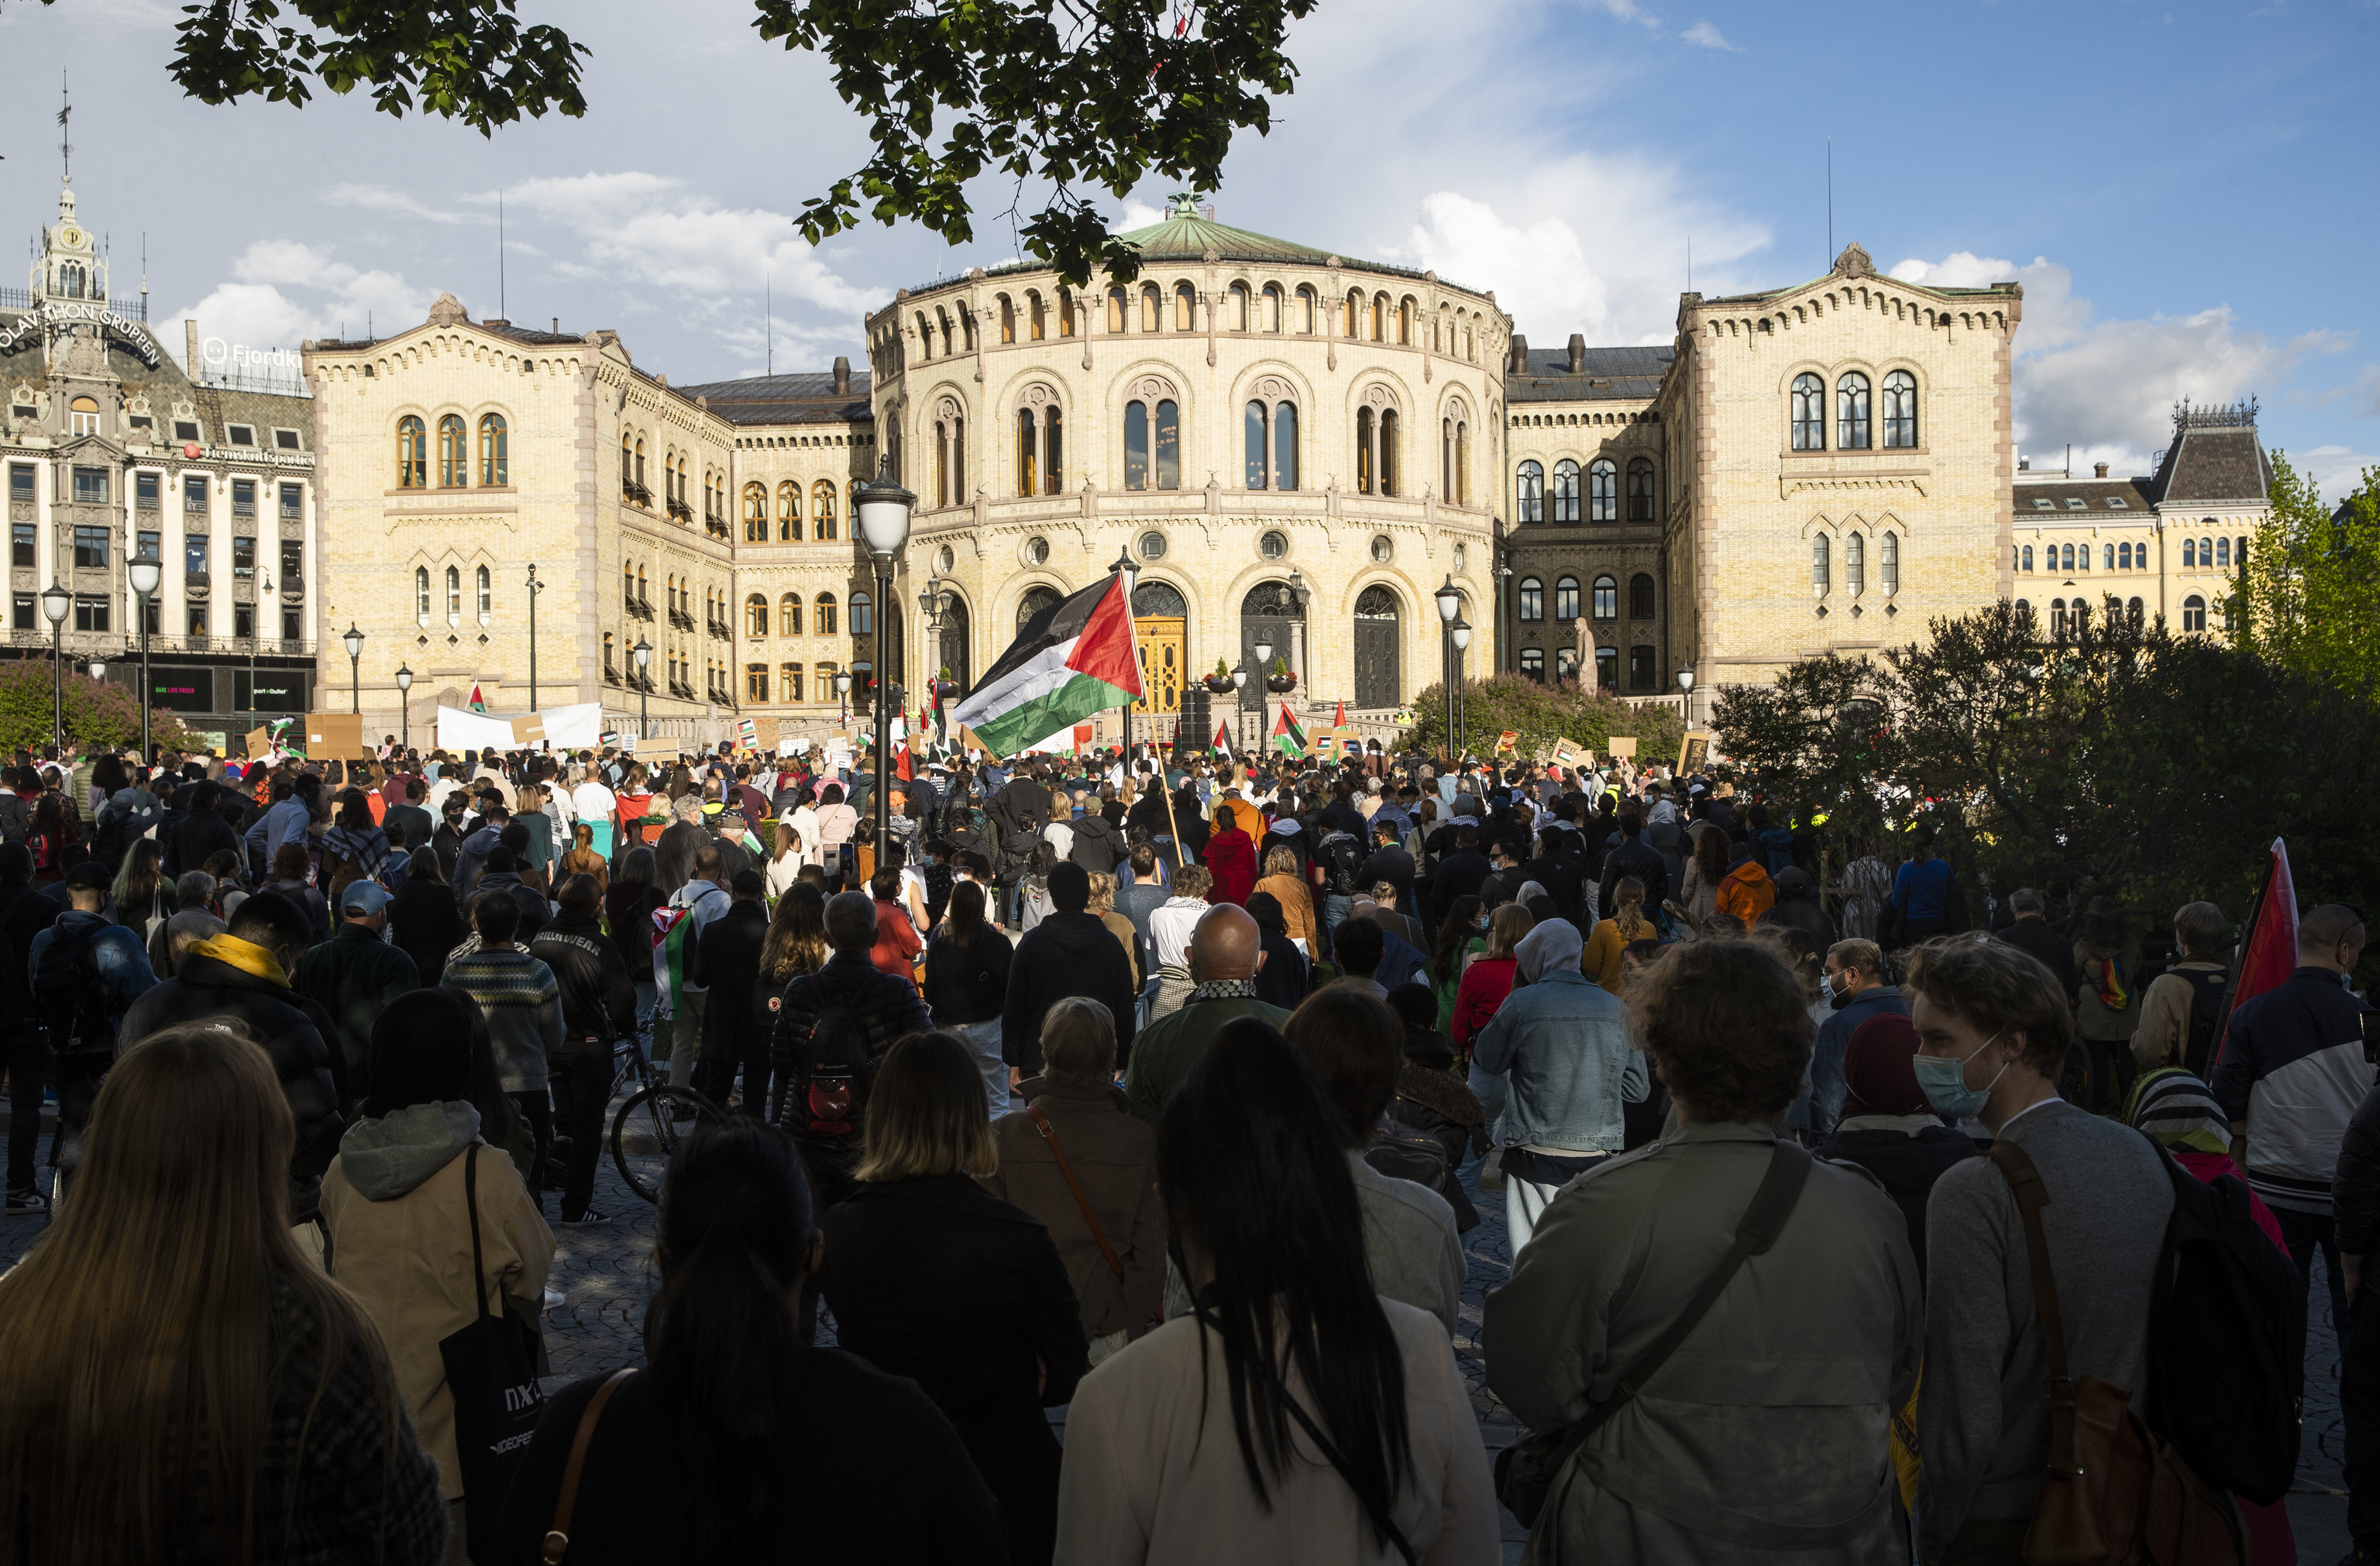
(2269, 942)
(1222, 746)
(478, 703)
(1286, 735)
(1070, 661)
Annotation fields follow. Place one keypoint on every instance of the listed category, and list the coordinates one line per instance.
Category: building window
(194, 554)
(1566, 490)
(20, 483)
(1851, 412)
(2193, 613)
(1639, 667)
(756, 513)
(494, 448)
(293, 502)
(1640, 597)
(863, 615)
(1531, 499)
(1602, 492)
(1566, 598)
(293, 625)
(789, 614)
(2223, 553)
(453, 456)
(789, 512)
(1640, 491)
(950, 455)
(286, 440)
(1809, 401)
(1532, 599)
(2024, 558)
(2239, 553)
(145, 491)
(22, 542)
(90, 549)
(194, 495)
(82, 417)
(1855, 565)
(755, 675)
(1888, 562)
(756, 616)
(1152, 546)
(487, 598)
(822, 510)
(1270, 426)
(1152, 438)
(454, 594)
(1565, 663)
(195, 619)
(240, 434)
(1375, 451)
(2123, 560)
(1607, 597)
(789, 675)
(822, 612)
(243, 621)
(2190, 554)
(145, 545)
(91, 486)
(421, 595)
(243, 497)
(1821, 576)
(243, 557)
(90, 614)
(1901, 411)
(1607, 668)
(1270, 320)
(22, 620)
(1533, 663)
(413, 454)
(1185, 307)
(1273, 546)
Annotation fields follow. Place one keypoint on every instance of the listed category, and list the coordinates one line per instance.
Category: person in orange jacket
(1747, 892)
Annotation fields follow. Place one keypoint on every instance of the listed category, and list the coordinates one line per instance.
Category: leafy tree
(1072, 96)
(2310, 595)
(1542, 712)
(97, 712)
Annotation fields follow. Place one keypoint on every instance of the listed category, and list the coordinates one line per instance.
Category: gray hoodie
(387, 1158)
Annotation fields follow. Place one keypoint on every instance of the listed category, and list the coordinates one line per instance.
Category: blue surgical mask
(1944, 1082)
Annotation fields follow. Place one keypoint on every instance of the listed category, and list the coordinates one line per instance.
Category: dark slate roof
(805, 399)
(1611, 374)
(2218, 465)
(2095, 494)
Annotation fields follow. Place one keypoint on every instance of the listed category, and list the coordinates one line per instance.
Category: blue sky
(2185, 191)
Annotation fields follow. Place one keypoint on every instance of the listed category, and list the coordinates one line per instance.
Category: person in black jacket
(1888, 1128)
(2030, 930)
(931, 1277)
(241, 976)
(423, 918)
(845, 1017)
(1633, 857)
(599, 1006)
(201, 834)
(727, 962)
(1069, 952)
(967, 979)
(1797, 908)
(1098, 847)
(1461, 869)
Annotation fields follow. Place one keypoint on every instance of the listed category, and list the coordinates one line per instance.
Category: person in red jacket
(1232, 859)
(897, 944)
(1746, 893)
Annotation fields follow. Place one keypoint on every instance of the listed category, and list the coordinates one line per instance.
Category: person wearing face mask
(1993, 1029)
(1858, 984)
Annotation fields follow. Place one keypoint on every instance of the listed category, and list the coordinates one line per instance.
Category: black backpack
(1341, 857)
(68, 1004)
(839, 1072)
(2205, 1016)
(2227, 1341)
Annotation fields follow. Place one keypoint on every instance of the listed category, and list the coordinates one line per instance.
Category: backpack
(2225, 1342)
(2205, 1016)
(839, 1072)
(1341, 858)
(16, 819)
(69, 1005)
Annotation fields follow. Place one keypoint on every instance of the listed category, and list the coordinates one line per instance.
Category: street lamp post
(355, 643)
(1450, 603)
(1261, 673)
(55, 602)
(404, 710)
(929, 600)
(883, 510)
(1686, 693)
(1461, 632)
(535, 587)
(643, 653)
(1239, 683)
(1129, 574)
(145, 575)
(841, 698)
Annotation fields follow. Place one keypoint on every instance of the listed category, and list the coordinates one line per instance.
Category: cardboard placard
(767, 731)
(1692, 751)
(528, 731)
(1565, 754)
(258, 741)
(1620, 744)
(1507, 740)
(338, 736)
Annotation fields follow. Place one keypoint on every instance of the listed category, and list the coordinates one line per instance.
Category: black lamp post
(643, 653)
(145, 576)
(842, 696)
(535, 587)
(1450, 604)
(404, 710)
(883, 510)
(55, 602)
(1461, 632)
(1686, 693)
(355, 645)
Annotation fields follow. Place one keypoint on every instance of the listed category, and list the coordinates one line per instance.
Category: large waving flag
(2268, 943)
(1286, 735)
(1222, 742)
(1070, 661)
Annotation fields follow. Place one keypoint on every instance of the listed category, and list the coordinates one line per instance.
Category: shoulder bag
(1050, 1134)
(558, 1538)
(491, 1374)
(2114, 1494)
(1525, 1470)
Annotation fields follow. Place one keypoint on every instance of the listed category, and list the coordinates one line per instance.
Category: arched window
(640, 466)
(789, 512)
(1152, 439)
(2223, 552)
(863, 615)
(454, 454)
(2083, 556)
(822, 510)
(1364, 451)
(1253, 465)
(1115, 310)
(1273, 307)
(454, 595)
(1855, 565)
(1007, 320)
(1809, 413)
(1029, 453)
(421, 595)
(1851, 429)
(1607, 597)
(1308, 307)
(1529, 498)
(486, 597)
(2109, 562)
(1565, 663)
(2123, 557)
(2239, 553)
(2134, 612)
(1532, 599)
(1268, 438)
(2205, 553)
(822, 613)
(1035, 601)
(1640, 597)
(2028, 558)
(495, 445)
(950, 454)
(82, 417)
(2190, 554)
(1461, 495)
(1067, 327)
(2193, 613)
(1640, 491)
(1351, 323)
(1602, 491)
(2058, 618)
(1239, 307)
(756, 616)
(756, 513)
(1565, 491)
(1284, 445)
(1533, 663)
(1900, 409)
(413, 454)
(1404, 322)
(1566, 598)
(1391, 456)
(1185, 307)
(1821, 571)
(1152, 306)
(1888, 561)
(1379, 317)
(789, 615)
(1034, 327)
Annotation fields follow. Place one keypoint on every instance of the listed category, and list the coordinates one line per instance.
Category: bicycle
(657, 1119)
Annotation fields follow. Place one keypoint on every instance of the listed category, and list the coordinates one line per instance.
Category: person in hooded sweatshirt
(1888, 1128)
(1748, 892)
(1069, 952)
(401, 1230)
(1230, 859)
(1100, 844)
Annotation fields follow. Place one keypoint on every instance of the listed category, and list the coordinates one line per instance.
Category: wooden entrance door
(1163, 649)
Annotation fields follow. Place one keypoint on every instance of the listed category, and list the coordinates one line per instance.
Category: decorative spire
(1854, 262)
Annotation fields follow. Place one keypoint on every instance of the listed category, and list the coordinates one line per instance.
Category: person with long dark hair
(1295, 1413)
(739, 1440)
(966, 977)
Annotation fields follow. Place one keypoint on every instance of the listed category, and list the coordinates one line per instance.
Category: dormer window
(2042, 503)
(242, 434)
(2117, 503)
(286, 440)
(186, 430)
(2076, 503)
(82, 417)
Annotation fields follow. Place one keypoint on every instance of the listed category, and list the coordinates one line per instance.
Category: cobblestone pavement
(604, 1275)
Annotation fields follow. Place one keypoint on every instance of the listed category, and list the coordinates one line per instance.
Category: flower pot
(1281, 685)
(1218, 684)
(945, 689)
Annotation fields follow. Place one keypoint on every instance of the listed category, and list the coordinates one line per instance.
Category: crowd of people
(1156, 1091)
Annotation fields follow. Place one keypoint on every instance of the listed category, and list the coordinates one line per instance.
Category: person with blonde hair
(584, 859)
(1283, 879)
(178, 1378)
(1102, 906)
(932, 1276)
(1614, 935)
(1075, 1158)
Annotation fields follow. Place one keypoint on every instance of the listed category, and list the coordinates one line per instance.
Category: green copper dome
(1187, 234)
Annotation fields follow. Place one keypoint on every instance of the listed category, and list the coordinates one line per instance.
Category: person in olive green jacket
(1225, 953)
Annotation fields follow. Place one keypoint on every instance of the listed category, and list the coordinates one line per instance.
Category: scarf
(1221, 990)
(2179, 1110)
(247, 956)
(1441, 1094)
(366, 848)
(2113, 994)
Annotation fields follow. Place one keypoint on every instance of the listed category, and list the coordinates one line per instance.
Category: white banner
(576, 727)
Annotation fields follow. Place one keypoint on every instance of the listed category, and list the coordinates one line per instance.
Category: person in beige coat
(1297, 1417)
(1767, 1435)
(1114, 1157)
(400, 1233)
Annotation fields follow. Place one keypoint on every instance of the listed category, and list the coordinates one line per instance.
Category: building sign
(60, 312)
(275, 691)
(219, 356)
(182, 689)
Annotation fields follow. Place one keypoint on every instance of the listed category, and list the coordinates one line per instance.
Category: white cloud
(381, 198)
(1709, 36)
(283, 292)
(1626, 11)
(2338, 471)
(2109, 387)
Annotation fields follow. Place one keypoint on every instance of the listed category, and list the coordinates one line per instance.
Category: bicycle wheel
(647, 1133)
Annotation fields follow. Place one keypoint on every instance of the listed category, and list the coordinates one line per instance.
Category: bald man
(1225, 953)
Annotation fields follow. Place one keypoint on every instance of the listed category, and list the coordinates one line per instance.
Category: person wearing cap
(1888, 1128)
(1561, 1043)
(357, 974)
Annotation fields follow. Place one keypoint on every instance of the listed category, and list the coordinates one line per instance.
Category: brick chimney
(1520, 354)
(1577, 354)
(842, 376)
(2098, 471)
